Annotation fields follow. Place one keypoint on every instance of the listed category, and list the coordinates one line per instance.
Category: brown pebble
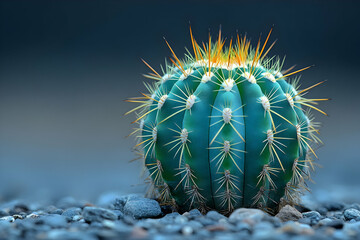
(214, 228)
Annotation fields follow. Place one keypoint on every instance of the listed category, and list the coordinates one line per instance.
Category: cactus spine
(224, 129)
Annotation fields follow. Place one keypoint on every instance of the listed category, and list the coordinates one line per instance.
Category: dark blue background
(67, 66)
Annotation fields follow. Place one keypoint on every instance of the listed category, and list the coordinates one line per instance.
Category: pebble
(213, 215)
(296, 228)
(71, 212)
(135, 217)
(8, 219)
(313, 215)
(249, 215)
(142, 208)
(336, 223)
(288, 213)
(351, 213)
(120, 202)
(187, 230)
(95, 214)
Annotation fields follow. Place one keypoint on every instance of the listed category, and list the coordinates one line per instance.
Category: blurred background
(66, 68)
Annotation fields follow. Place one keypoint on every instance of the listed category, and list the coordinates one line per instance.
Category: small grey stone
(307, 221)
(213, 215)
(34, 215)
(241, 226)
(142, 208)
(288, 213)
(180, 219)
(351, 213)
(325, 222)
(96, 225)
(8, 219)
(206, 221)
(354, 205)
(336, 223)
(71, 212)
(76, 218)
(94, 214)
(119, 214)
(187, 230)
(120, 202)
(275, 221)
(322, 210)
(263, 226)
(129, 220)
(169, 218)
(194, 213)
(251, 216)
(195, 225)
(313, 215)
(149, 223)
(171, 228)
(58, 211)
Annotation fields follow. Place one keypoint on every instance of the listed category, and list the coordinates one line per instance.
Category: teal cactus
(224, 129)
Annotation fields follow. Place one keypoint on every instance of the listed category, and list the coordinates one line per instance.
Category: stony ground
(134, 217)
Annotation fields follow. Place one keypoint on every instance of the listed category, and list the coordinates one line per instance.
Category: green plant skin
(252, 123)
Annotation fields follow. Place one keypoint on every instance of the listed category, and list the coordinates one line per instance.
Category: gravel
(116, 216)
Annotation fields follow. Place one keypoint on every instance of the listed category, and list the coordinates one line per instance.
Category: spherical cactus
(224, 129)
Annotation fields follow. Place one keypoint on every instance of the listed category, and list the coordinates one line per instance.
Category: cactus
(225, 128)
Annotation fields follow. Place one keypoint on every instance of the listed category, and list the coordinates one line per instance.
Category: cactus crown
(224, 128)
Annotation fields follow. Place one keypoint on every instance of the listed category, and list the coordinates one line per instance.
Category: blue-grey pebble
(336, 223)
(95, 214)
(119, 214)
(313, 215)
(169, 218)
(120, 202)
(351, 213)
(142, 208)
(214, 215)
(71, 212)
(171, 228)
(194, 213)
(242, 226)
(207, 221)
